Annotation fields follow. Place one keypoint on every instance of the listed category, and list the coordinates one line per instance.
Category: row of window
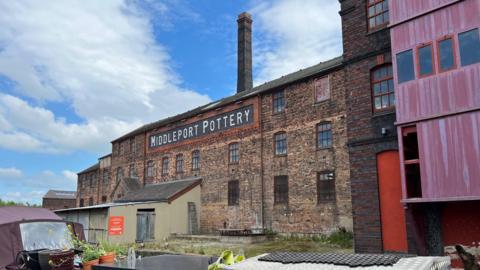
(131, 146)
(444, 50)
(325, 189)
(92, 178)
(324, 139)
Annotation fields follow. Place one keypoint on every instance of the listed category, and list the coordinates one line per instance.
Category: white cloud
(99, 57)
(10, 173)
(34, 196)
(290, 35)
(70, 176)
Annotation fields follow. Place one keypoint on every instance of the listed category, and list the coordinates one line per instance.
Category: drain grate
(352, 260)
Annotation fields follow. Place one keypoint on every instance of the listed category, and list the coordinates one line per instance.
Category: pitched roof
(10, 214)
(162, 192)
(320, 68)
(129, 183)
(92, 168)
(60, 194)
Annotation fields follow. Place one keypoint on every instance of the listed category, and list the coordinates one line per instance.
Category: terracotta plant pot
(88, 265)
(109, 257)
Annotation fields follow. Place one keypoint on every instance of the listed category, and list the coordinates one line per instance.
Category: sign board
(116, 225)
(322, 89)
(221, 122)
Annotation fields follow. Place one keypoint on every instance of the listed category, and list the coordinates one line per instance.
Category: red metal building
(436, 61)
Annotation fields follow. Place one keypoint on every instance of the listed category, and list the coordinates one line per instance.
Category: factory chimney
(244, 54)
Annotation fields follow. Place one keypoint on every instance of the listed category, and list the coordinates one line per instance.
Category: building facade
(437, 66)
(274, 156)
(59, 199)
(372, 140)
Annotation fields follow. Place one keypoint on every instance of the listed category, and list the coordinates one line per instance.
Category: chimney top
(244, 52)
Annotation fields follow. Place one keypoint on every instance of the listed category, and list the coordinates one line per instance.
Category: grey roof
(130, 184)
(60, 194)
(162, 192)
(320, 68)
(92, 168)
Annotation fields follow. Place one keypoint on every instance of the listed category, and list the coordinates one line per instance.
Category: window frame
(332, 193)
(372, 87)
(165, 164)
(275, 143)
(133, 146)
(417, 59)
(106, 176)
(315, 100)
(150, 172)
(377, 26)
(196, 160)
(414, 69)
(318, 134)
(179, 164)
(233, 195)
(459, 46)
(454, 52)
(275, 101)
(132, 168)
(231, 157)
(280, 197)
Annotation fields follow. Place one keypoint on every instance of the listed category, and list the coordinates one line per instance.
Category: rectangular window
(82, 203)
(132, 172)
(383, 89)
(279, 101)
(325, 187)
(122, 148)
(165, 166)
(280, 189)
(150, 168)
(425, 60)
(377, 11)
(233, 192)
(322, 89)
(405, 68)
(119, 175)
(469, 47)
(446, 54)
(196, 160)
(179, 163)
(104, 199)
(281, 143)
(133, 146)
(233, 155)
(324, 135)
(90, 201)
(106, 177)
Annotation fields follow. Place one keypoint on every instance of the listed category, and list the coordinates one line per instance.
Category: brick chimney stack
(244, 54)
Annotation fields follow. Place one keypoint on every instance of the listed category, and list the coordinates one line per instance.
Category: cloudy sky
(76, 74)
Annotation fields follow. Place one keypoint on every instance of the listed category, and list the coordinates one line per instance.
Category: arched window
(150, 170)
(196, 160)
(179, 163)
(383, 93)
(280, 143)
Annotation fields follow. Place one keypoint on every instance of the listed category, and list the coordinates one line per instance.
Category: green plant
(106, 247)
(90, 253)
(227, 258)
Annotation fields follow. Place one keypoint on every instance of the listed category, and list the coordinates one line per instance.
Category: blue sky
(75, 75)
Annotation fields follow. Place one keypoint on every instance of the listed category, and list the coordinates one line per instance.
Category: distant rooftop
(60, 194)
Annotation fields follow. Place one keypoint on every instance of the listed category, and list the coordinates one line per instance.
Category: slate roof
(92, 168)
(60, 194)
(162, 192)
(320, 68)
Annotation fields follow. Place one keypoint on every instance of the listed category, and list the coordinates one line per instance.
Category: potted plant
(90, 256)
(108, 252)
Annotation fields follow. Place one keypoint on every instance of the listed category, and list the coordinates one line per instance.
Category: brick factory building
(59, 199)
(298, 154)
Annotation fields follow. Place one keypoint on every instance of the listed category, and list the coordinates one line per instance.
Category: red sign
(115, 225)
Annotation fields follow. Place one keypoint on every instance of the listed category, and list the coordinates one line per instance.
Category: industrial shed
(148, 214)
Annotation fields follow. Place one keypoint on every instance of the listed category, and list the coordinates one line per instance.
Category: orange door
(394, 233)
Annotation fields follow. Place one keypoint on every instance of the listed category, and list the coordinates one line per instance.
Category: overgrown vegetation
(340, 241)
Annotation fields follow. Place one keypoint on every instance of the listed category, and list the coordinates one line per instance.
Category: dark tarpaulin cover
(10, 236)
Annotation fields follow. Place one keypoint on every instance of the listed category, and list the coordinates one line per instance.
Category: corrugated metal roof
(302, 74)
(161, 192)
(60, 194)
(98, 206)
